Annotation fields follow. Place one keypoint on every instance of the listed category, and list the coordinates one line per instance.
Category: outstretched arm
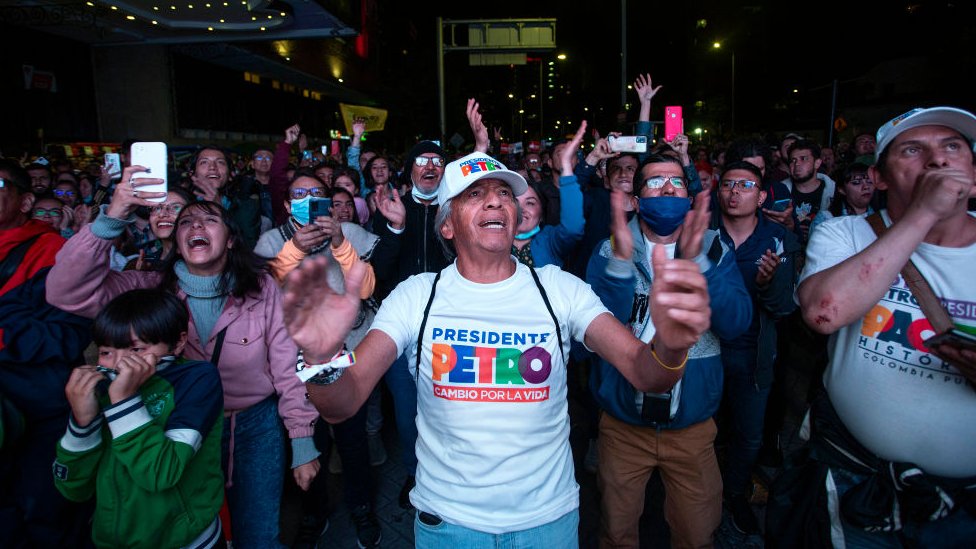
(319, 319)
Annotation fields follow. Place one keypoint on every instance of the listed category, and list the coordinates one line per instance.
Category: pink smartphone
(673, 123)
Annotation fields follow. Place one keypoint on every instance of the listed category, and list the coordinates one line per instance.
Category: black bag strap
(545, 298)
(423, 325)
(930, 305)
(215, 357)
(10, 263)
(430, 301)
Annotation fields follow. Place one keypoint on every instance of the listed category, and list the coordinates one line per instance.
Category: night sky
(886, 57)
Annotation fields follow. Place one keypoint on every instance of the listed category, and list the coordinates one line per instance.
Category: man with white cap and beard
(487, 339)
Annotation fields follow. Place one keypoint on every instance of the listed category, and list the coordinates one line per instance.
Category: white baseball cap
(463, 172)
(962, 121)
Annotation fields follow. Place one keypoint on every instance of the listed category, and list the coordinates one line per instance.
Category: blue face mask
(300, 209)
(664, 214)
(527, 234)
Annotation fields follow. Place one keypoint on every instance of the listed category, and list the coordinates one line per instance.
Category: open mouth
(164, 225)
(492, 224)
(198, 242)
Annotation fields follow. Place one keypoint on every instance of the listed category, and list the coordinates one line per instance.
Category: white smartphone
(628, 143)
(153, 156)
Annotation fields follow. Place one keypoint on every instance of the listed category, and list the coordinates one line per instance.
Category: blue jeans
(562, 533)
(258, 474)
(956, 530)
(746, 405)
(404, 389)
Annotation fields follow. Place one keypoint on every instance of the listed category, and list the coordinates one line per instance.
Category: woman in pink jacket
(235, 322)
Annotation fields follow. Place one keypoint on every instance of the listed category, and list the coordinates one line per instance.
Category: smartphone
(306, 154)
(325, 150)
(628, 143)
(780, 205)
(954, 338)
(114, 164)
(319, 207)
(673, 123)
(153, 156)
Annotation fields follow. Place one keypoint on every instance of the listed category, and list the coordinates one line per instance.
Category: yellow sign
(375, 118)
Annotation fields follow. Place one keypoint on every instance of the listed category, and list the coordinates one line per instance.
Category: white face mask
(420, 195)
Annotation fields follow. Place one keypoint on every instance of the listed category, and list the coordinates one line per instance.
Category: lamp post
(717, 46)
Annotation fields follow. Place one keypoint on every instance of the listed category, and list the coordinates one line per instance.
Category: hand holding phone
(674, 123)
(319, 207)
(780, 205)
(627, 143)
(113, 165)
(152, 156)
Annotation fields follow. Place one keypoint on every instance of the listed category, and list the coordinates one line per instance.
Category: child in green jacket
(144, 432)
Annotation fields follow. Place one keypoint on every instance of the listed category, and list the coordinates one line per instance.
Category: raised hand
(645, 88)
(679, 301)
(389, 204)
(478, 127)
(358, 129)
(128, 196)
(694, 226)
(292, 133)
(601, 151)
(567, 153)
(317, 317)
(622, 240)
(680, 144)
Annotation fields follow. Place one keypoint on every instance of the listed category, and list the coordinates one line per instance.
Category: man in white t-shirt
(493, 445)
(902, 402)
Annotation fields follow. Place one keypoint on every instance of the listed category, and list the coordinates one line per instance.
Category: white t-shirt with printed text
(493, 426)
(899, 400)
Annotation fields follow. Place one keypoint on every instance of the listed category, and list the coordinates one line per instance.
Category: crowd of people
(165, 355)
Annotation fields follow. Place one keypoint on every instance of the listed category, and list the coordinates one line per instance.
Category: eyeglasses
(658, 181)
(174, 209)
(40, 213)
(424, 160)
(62, 193)
(300, 193)
(262, 157)
(745, 184)
(863, 180)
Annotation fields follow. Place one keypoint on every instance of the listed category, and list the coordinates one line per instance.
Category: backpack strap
(423, 325)
(545, 298)
(14, 258)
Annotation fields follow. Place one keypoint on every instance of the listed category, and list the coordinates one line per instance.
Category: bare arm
(478, 127)
(843, 293)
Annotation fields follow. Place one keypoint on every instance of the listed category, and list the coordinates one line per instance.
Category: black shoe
(368, 533)
(405, 492)
(310, 531)
(743, 519)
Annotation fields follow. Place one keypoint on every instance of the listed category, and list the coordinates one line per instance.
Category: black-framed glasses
(658, 181)
(173, 209)
(62, 193)
(301, 192)
(745, 184)
(424, 160)
(40, 213)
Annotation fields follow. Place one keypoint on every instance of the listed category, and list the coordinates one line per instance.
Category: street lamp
(718, 45)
